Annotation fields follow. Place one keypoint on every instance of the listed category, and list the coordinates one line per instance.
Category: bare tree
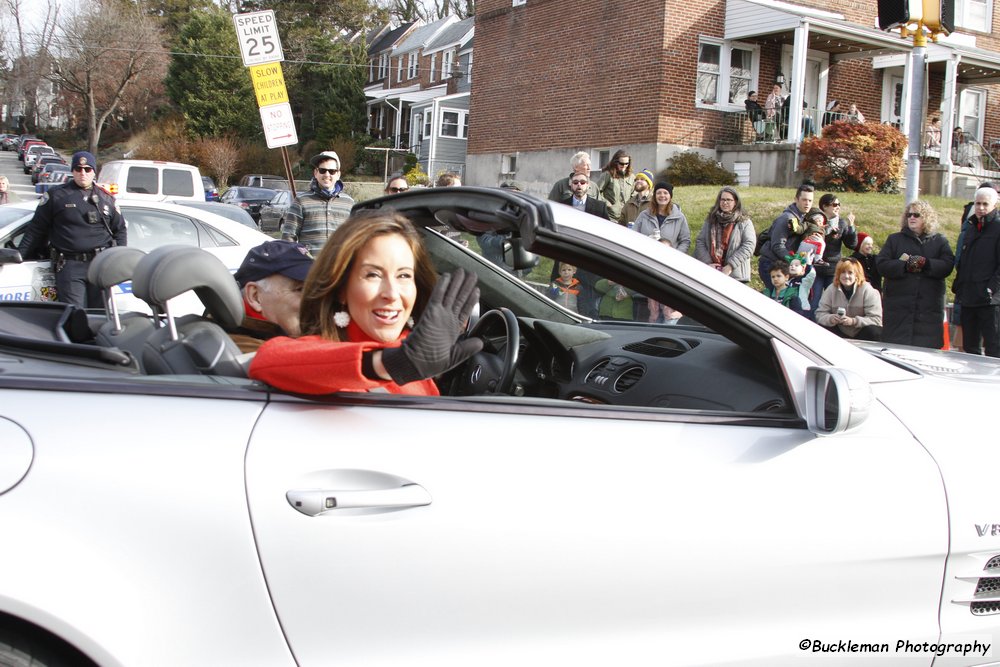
(25, 51)
(101, 56)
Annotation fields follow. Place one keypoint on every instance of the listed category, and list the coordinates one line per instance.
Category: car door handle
(314, 502)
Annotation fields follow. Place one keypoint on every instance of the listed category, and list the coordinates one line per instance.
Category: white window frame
(468, 74)
(447, 62)
(723, 75)
(461, 124)
(428, 124)
(979, 113)
(411, 65)
(518, 3)
(383, 65)
(434, 58)
(964, 15)
(508, 164)
(399, 71)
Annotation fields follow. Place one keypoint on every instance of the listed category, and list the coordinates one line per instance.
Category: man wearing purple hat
(76, 221)
(314, 216)
(270, 279)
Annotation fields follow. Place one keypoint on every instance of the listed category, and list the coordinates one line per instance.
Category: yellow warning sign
(268, 84)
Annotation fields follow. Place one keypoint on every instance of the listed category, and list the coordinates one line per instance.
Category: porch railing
(740, 129)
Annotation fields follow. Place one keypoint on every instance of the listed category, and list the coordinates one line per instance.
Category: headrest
(172, 270)
(114, 266)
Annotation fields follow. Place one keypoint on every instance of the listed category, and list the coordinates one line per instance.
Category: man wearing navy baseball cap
(271, 279)
(78, 220)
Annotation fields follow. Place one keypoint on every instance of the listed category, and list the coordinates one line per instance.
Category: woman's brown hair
(332, 268)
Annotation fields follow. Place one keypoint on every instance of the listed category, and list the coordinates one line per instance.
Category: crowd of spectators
(894, 294)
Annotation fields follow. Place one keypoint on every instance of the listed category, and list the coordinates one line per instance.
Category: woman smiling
(372, 316)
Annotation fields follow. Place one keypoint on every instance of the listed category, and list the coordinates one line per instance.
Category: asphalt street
(20, 182)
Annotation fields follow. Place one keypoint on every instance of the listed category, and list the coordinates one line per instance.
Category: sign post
(260, 46)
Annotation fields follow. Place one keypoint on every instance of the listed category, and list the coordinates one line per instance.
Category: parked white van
(151, 179)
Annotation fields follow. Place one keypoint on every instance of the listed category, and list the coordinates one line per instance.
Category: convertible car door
(402, 531)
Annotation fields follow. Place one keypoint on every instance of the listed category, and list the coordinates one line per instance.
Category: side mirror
(10, 256)
(837, 400)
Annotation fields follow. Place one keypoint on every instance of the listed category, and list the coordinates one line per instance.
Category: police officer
(77, 220)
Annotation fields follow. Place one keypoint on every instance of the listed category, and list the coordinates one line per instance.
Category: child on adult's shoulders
(565, 289)
(813, 244)
(783, 292)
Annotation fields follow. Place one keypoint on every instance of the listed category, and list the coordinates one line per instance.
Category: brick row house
(419, 88)
(660, 76)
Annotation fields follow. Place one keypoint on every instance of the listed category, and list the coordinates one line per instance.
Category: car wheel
(492, 370)
(28, 647)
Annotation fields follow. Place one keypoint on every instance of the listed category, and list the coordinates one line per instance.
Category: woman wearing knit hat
(663, 219)
(641, 193)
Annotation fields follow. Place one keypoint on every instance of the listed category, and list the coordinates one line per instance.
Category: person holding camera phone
(850, 307)
(76, 220)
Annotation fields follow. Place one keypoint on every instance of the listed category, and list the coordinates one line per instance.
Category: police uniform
(77, 224)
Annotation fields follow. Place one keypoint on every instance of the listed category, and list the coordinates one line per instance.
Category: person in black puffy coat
(914, 263)
(977, 283)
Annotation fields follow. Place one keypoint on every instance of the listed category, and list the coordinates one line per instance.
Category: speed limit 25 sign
(257, 33)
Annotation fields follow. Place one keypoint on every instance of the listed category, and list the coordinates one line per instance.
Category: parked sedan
(150, 225)
(211, 191)
(250, 199)
(737, 488)
(272, 214)
(234, 213)
(54, 178)
(41, 162)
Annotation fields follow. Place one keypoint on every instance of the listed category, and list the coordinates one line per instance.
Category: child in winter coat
(566, 287)
(783, 292)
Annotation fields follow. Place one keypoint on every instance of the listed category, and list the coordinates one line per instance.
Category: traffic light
(936, 15)
(894, 13)
(939, 15)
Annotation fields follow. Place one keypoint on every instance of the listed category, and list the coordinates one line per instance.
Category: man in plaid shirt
(314, 216)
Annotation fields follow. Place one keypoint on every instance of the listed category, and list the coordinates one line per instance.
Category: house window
(603, 157)
(454, 123)
(727, 71)
(517, 3)
(428, 124)
(468, 71)
(709, 56)
(446, 63)
(411, 65)
(383, 66)
(974, 14)
(434, 59)
(971, 108)
(508, 164)
(399, 71)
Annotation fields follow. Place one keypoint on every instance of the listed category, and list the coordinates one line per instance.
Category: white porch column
(797, 85)
(948, 120)
(904, 104)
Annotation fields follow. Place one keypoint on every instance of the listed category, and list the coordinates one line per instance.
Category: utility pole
(921, 19)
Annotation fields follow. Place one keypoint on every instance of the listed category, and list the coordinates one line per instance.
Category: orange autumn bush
(857, 157)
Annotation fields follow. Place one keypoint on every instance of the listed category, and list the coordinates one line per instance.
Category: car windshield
(255, 193)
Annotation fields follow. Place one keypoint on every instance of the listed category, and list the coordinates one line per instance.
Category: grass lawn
(877, 215)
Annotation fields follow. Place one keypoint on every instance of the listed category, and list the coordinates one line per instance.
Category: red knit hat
(861, 239)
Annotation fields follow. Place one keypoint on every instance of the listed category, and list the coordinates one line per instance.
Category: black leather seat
(126, 331)
(191, 344)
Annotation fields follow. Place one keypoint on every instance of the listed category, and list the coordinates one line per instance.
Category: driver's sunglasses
(398, 190)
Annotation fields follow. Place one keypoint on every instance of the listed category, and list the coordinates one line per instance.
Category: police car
(150, 225)
(739, 488)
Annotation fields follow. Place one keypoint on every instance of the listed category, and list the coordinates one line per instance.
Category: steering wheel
(491, 372)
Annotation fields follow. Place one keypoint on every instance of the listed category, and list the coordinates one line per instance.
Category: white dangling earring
(410, 323)
(342, 318)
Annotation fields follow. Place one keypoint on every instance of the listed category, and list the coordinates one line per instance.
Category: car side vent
(661, 347)
(986, 600)
(628, 379)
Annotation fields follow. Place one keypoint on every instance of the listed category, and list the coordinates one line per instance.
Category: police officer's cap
(82, 158)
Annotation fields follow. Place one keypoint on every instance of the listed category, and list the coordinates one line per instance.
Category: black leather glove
(432, 347)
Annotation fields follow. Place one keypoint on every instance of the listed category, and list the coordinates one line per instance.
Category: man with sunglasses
(315, 215)
(76, 220)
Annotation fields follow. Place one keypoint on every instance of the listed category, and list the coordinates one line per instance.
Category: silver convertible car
(741, 487)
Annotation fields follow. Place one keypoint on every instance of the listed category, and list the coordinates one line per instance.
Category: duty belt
(80, 256)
